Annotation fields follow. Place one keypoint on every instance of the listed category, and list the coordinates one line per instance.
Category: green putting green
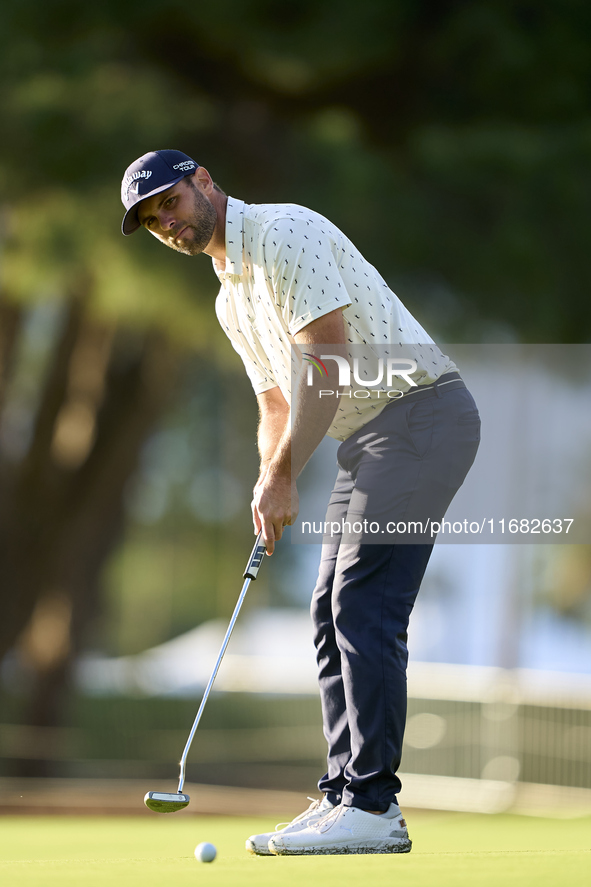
(450, 850)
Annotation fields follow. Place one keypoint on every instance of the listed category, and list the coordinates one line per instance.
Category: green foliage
(450, 140)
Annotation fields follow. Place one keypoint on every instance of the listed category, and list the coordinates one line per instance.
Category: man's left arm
(276, 499)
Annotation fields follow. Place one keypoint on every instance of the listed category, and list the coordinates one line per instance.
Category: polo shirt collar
(235, 210)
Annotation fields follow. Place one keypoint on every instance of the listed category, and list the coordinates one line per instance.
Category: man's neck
(216, 248)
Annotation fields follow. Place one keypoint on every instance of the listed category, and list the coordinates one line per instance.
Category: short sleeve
(261, 378)
(254, 359)
(301, 263)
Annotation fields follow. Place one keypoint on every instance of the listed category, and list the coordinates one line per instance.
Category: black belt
(447, 382)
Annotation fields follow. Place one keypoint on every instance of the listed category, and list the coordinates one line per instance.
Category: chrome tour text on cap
(150, 174)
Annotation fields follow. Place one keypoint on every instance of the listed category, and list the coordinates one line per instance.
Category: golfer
(293, 284)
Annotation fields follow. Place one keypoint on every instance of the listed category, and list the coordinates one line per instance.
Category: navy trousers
(406, 464)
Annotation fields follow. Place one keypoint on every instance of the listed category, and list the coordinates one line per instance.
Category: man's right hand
(274, 506)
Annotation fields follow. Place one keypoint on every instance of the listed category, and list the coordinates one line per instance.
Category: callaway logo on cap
(150, 174)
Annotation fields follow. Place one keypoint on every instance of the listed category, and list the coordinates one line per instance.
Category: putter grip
(256, 559)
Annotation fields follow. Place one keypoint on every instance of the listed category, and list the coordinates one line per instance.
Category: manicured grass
(450, 850)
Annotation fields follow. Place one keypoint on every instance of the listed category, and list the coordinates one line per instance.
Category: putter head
(166, 802)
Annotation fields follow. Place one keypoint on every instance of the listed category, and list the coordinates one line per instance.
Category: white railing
(477, 739)
(490, 739)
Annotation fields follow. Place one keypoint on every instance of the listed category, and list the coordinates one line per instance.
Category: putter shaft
(250, 573)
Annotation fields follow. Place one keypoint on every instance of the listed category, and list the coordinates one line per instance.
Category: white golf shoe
(346, 830)
(259, 844)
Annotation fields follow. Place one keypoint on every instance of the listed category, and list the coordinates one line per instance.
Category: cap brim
(130, 221)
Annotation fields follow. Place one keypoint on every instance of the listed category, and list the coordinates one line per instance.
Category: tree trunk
(61, 505)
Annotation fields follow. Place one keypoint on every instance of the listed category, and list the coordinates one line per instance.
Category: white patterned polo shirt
(287, 266)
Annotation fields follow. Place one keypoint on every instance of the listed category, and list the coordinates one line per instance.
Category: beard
(200, 226)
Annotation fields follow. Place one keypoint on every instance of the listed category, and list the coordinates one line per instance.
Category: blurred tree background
(451, 141)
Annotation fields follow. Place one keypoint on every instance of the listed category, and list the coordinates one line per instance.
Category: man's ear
(202, 180)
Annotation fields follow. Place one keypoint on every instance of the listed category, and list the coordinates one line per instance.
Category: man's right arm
(273, 420)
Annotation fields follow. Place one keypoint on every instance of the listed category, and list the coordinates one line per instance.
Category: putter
(170, 802)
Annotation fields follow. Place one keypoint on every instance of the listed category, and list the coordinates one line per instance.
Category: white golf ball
(205, 852)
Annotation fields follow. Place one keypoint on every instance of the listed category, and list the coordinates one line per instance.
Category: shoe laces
(327, 820)
(313, 806)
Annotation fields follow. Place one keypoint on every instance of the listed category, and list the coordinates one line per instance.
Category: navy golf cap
(150, 174)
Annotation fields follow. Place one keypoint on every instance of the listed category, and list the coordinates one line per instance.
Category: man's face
(182, 217)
